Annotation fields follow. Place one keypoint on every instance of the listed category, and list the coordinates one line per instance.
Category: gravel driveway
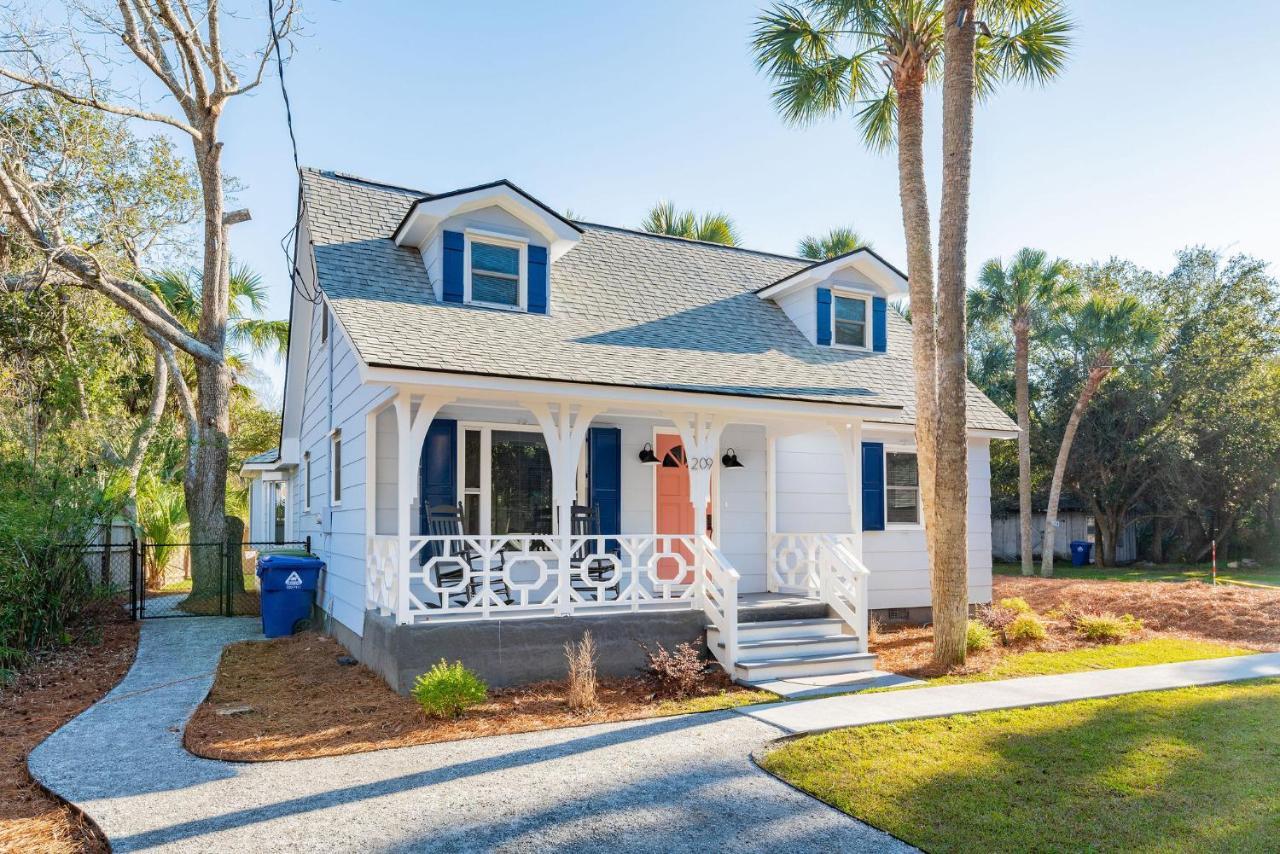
(672, 784)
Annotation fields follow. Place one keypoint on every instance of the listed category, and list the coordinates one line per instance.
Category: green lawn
(1264, 575)
(1196, 769)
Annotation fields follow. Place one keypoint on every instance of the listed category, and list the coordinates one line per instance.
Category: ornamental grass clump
(1017, 605)
(581, 658)
(1107, 628)
(447, 690)
(978, 636)
(1025, 628)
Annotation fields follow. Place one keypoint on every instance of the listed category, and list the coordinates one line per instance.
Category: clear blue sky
(1163, 132)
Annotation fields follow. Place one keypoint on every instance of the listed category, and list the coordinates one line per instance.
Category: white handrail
(842, 584)
(718, 593)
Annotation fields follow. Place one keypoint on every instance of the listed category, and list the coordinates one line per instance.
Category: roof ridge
(347, 176)
(639, 232)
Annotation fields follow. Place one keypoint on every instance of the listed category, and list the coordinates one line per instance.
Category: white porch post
(771, 508)
(849, 436)
(700, 434)
(564, 430)
(411, 430)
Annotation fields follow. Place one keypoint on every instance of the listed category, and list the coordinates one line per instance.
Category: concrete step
(772, 648)
(769, 629)
(790, 667)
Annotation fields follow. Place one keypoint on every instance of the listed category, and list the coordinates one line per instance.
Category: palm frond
(879, 121)
(838, 241)
(261, 336)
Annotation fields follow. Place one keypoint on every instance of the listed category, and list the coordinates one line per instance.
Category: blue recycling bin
(1081, 552)
(288, 584)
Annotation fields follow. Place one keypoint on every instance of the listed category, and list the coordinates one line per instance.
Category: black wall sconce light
(647, 456)
(730, 460)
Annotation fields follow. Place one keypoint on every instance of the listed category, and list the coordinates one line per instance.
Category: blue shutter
(824, 316)
(873, 486)
(879, 325)
(539, 289)
(454, 246)
(604, 478)
(438, 468)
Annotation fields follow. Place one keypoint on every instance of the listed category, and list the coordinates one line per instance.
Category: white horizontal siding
(812, 499)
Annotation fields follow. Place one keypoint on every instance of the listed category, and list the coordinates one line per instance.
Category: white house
(647, 437)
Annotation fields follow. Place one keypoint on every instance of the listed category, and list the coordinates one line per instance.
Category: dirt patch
(1240, 616)
(302, 703)
(56, 687)
(1246, 615)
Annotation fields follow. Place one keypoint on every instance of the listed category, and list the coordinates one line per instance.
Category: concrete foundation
(518, 651)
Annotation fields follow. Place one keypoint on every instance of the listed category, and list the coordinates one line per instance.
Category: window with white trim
(850, 320)
(505, 478)
(901, 488)
(335, 467)
(496, 272)
(306, 481)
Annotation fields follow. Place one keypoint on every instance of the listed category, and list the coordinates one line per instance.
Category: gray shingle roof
(265, 457)
(628, 308)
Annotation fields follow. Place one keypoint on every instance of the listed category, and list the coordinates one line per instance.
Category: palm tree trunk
(1096, 376)
(950, 576)
(1022, 395)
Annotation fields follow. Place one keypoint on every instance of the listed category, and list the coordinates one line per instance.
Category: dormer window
(495, 272)
(850, 320)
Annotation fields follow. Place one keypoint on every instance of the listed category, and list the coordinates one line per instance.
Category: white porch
(557, 572)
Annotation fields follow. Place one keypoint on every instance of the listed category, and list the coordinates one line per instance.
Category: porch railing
(825, 567)
(480, 577)
(719, 595)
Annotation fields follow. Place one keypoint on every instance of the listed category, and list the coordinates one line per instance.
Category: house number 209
(701, 463)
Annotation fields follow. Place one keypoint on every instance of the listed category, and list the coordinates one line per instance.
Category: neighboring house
(647, 436)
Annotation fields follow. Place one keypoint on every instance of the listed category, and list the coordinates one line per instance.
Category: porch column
(411, 431)
(700, 434)
(770, 509)
(565, 430)
(849, 436)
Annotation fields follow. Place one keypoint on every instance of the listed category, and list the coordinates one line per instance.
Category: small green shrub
(978, 636)
(1107, 628)
(447, 690)
(1017, 604)
(1025, 627)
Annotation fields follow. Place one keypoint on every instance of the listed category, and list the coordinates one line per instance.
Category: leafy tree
(873, 58)
(1105, 330)
(1028, 289)
(183, 50)
(664, 218)
(838, 241)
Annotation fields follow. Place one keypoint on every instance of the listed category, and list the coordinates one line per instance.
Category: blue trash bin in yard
(288, 584)
(1081, 552)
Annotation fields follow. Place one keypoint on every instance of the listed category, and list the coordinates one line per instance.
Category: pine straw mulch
(1245, 617)
(54, 688)
(1249, 616)
(304, 705)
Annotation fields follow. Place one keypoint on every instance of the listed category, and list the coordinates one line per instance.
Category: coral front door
(672, 508)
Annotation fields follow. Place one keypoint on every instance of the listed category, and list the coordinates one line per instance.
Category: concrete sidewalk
(863, 709)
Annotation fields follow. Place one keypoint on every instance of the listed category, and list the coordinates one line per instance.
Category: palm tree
(1104, 329)
(1030, 288)
(247, 333)
(838, 241)
(664, 218)
(873, 58)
